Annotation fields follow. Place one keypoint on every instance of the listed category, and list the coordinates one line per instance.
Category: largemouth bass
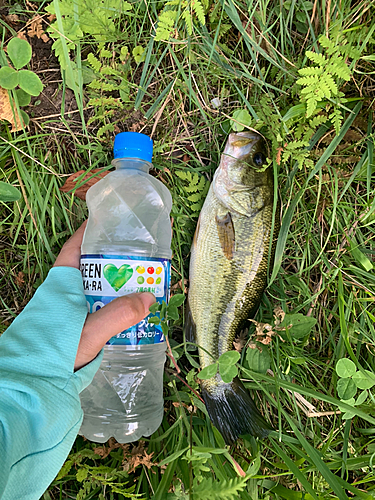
(228, 274)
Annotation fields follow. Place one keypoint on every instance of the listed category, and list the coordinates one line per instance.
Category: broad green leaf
(258, 361)
(346, 388)
(228, 372)
(30, 82)
(208, 372)
(23, 97)
(362, 397)
(294, 112)
(19, 52)
(8, 192)
(364, 379)
(350, 402)
(154, 320)
(172, 312)
(9, 78)
(163, 309)
(124, 53)
(345, 368)
(254, 467)
(229, 358)
(243, 117)
(124, 95)
(177, 300)
(348, 415)
(154, 308)
(164, 327)
(300, 325)
(139, 54)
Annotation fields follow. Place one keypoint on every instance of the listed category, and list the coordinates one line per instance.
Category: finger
(70, 253)
(115, 317)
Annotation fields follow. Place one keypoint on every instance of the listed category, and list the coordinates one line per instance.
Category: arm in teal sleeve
(40, 411)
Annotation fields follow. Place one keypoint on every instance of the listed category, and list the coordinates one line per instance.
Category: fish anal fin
(225, 229)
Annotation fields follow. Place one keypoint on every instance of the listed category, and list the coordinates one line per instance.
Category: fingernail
(148, 299)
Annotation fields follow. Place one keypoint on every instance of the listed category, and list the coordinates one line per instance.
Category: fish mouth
(242, 157)
(240, 144)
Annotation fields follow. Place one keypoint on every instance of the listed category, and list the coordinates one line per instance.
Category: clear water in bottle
(126, 249)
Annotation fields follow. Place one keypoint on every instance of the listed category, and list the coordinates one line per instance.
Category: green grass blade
(287, 219)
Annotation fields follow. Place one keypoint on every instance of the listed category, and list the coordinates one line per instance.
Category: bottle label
(106, 277)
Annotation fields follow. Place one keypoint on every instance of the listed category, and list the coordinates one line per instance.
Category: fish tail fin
(233, 412)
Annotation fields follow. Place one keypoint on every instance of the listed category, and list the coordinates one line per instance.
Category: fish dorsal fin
(225, 229)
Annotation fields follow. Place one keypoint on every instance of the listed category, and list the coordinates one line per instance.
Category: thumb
(113, 318)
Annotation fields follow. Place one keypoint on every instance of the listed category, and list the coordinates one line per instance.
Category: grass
(248, 55)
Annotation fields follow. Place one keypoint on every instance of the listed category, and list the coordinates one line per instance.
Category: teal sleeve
(40, 411)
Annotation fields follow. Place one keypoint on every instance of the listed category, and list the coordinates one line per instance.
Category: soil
(48, 103)
(46, 66)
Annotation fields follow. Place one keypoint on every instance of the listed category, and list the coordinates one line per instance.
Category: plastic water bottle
(126, 249)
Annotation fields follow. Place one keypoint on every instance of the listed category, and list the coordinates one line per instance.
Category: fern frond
(336, 119)
(198, 9)
(317, 58)
(106, 54)
(186, 15)
(339, 68)
(182, 175)
(310, 107)
(311, 71)
(196, 190)
(308, 80)
(317, 121)
(105, 101)
(328, 86)
(94, 62)
(196, 207)
(109, 127)
(165, 26)
(328, 45)
(202, 183)
(194, 197)
(107, 70)
(103, 86)
(219, 490)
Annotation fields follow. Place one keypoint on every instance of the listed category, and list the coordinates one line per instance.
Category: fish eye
(259, 159)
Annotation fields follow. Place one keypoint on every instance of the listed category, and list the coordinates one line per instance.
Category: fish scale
(228, 274)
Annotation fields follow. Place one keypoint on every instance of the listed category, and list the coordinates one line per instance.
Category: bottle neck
(132, 163)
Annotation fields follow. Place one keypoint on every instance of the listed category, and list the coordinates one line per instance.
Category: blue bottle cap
(133, 145)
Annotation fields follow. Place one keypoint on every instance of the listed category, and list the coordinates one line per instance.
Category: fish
(228, 273)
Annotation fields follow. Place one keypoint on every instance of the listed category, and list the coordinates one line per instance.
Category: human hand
(118, 315)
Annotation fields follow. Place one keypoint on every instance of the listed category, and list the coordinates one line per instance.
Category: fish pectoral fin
(225, 229)
(189, 328)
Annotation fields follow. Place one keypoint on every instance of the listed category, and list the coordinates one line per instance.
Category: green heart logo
(117, 277)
